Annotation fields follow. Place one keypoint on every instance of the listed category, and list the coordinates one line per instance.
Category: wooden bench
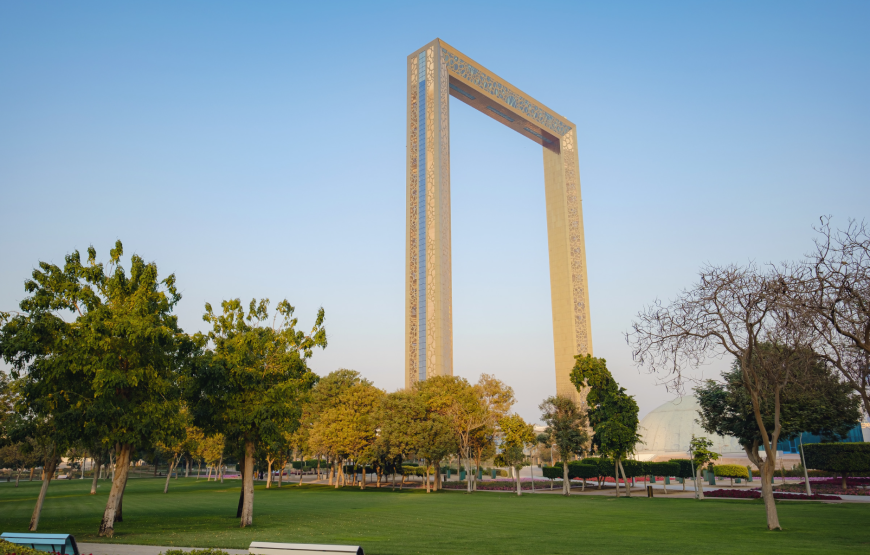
(53, 543)
(269, 548)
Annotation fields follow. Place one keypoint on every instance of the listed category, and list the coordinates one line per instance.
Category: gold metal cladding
(435, 72)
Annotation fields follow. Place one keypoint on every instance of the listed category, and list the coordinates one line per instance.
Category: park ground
(202, 514)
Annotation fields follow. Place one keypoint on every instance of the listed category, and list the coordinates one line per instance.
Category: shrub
(583, 471)
(9, 548)
(668, 468)
(553, 472)
(685, 470)
(841, 458)
(731, 471)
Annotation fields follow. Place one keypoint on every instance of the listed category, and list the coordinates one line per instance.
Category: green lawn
(203, 514)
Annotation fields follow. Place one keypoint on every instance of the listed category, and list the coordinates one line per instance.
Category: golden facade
(436, 72)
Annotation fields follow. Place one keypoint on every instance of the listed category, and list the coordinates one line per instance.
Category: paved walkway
(127, 549)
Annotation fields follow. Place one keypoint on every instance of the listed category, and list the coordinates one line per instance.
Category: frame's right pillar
(572, 330)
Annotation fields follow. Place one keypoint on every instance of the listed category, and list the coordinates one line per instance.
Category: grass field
(384, 522)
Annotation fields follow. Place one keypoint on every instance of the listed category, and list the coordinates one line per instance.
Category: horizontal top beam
(488, 93)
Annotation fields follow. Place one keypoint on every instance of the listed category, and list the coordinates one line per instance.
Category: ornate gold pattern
(496, 88)
(446, 279)
(429, 298)
(431, 282)
(413, 293)
(575, 234)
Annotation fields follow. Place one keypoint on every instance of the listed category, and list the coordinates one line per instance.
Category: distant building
(667, 431)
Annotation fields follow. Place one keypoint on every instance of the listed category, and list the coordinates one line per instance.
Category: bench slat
(271, 548)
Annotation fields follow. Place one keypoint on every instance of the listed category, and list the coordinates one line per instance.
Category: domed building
(667, 431)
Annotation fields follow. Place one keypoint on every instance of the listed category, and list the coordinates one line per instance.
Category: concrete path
(127, 549)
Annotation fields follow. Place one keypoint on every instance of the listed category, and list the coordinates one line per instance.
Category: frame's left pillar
(428, 289)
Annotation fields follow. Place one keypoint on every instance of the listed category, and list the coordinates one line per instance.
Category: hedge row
(594, 467)
(842, 458)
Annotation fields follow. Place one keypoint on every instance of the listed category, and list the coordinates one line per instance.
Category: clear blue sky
(258, 150)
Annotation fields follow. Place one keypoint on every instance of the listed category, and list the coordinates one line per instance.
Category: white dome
(669, 428)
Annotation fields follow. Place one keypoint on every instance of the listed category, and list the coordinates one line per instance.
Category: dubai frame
(436, 72)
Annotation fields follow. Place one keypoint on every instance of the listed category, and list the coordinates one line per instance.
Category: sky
(258, 150)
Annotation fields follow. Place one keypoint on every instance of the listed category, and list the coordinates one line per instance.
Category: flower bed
(824, 487)
(756, 494)
(499, 485)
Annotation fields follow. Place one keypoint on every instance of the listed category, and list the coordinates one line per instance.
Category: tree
(349, 428)
(701, 457)
(251, 386)
(175, 447)
(110, 373)
(612, 412)
(820, 403)
(566, 429)
(732, 310)
(831, 290)
(400, 416)
(323, 396)
(516, 436)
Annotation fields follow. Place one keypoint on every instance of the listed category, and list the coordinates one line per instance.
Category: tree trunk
(566, 483)
(281, 472)
(362, 482)
(844, 483)
(301, 473)
(172, 464)
(17, 477)
(98, 461)
(199, 470)
(269, 477)
(468, 473)
(186, 467)
(380, 472)
(437, 485)
(625, 479)
(208, 473)
(616, 474)
(519, 486)
(699, 483)
(122, 467)
(50, 465)
(768, 471)
(247, 518)
(241, 493)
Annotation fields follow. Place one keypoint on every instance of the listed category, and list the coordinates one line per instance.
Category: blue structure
(794, 445)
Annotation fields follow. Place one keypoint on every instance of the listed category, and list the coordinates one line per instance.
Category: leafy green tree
(612, 412)
(250, 388)
(400, 416)
(820, 403)
(702, 456)
(516, 436)
(350, 425)
(566, 429)
(98, 351)
(324, 395)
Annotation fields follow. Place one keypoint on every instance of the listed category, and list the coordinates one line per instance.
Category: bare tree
(731, 311)
(832, 286)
